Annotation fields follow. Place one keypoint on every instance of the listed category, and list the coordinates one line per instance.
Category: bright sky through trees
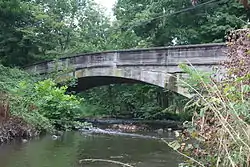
(107, 4)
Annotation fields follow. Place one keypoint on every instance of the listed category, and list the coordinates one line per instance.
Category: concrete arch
(93, 77)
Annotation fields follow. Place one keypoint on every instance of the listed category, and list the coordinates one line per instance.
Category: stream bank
(15, 128)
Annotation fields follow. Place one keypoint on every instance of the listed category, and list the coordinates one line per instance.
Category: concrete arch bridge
(156, 66)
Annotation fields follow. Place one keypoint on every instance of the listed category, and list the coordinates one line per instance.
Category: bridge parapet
(201, 56)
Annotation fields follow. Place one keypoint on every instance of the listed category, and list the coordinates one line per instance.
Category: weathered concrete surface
(157, 66)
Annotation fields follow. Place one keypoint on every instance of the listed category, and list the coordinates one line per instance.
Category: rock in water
(54, 137)
(160, 131)
(24, 140)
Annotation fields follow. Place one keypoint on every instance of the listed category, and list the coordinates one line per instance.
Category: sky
(108, 4)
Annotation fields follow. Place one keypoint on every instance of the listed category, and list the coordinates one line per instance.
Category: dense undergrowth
(139, 101)
(30, 105)
(219, 135)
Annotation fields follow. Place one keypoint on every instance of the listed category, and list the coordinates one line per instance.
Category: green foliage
(9, 77)
(15, 46)
(155, 21)
(89, 110)
(40, 103)
(21, 104)
(133, 101)
(39, 30)
(51, 102)
(34, 118)
(196, 79)
(54, 103)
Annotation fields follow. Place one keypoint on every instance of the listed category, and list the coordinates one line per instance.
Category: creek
(72, 147)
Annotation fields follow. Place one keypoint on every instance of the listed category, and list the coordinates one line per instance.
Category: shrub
(50, 101)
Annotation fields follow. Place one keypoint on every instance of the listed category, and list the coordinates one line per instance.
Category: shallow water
(73, 147)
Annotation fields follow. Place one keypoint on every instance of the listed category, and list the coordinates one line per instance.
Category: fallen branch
(105, 160)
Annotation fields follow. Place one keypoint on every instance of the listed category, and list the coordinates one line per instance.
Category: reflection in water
(72, 147)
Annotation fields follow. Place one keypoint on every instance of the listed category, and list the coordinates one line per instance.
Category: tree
(168, 22)
(15, 45)
(45, 29)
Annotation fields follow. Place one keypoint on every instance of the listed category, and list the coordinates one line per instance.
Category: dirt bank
(15, 128)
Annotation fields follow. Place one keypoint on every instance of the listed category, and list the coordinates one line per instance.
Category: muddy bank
(16, 128)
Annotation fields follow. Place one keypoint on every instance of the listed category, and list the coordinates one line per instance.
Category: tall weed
(219, 134)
